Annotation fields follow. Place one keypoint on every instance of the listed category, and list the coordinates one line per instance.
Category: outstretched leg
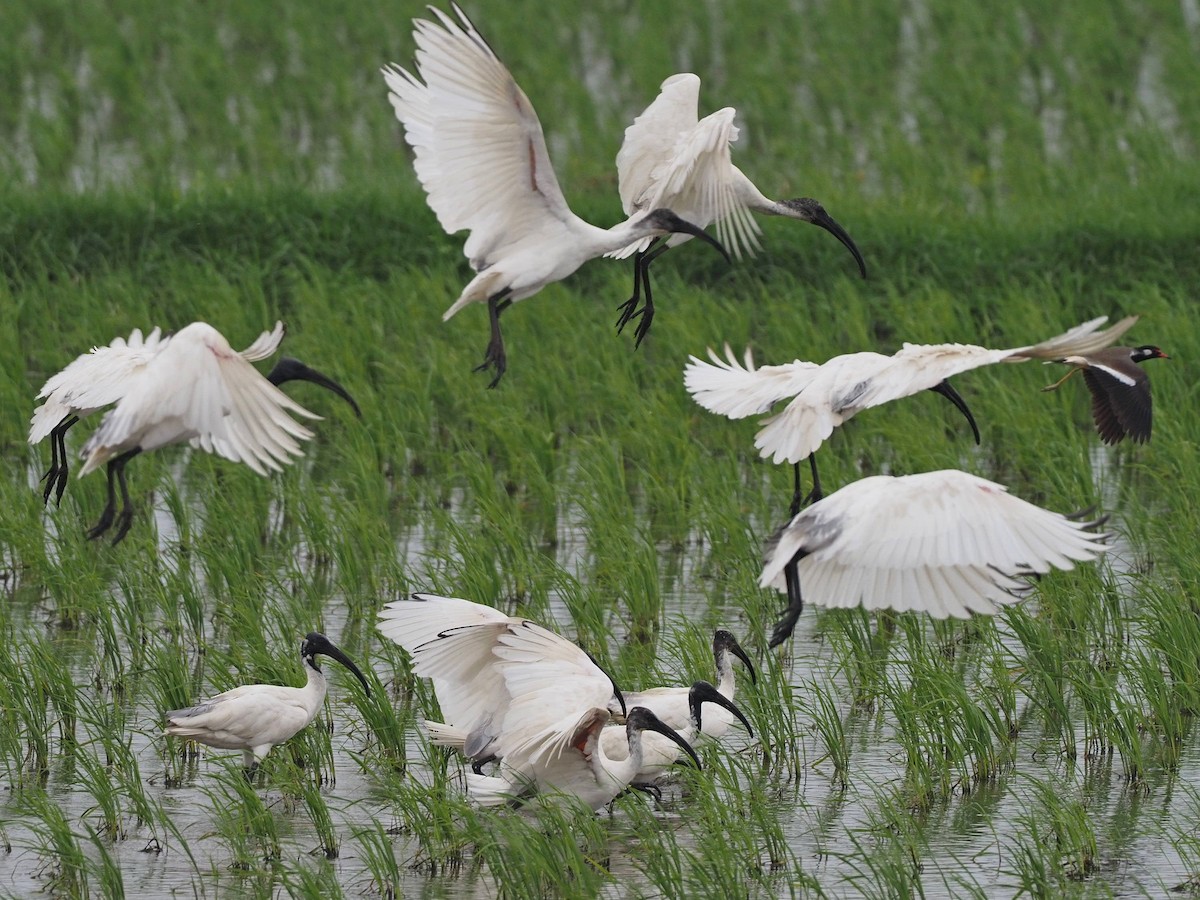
(57, 473)
(116, 473)
(641, 273)
(495, 357)
(785, 627)
(1058, 384)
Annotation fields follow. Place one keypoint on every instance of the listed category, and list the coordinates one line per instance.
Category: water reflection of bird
(254, 718)
(946, 543)
(822, 397)
(481, 156)
(674, 705)
(670, 157)
(189, 386)
(1120, 390)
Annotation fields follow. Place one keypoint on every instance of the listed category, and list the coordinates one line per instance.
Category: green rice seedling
(825, 715)
(554, 846)
(318, 812)
(1044, 678)
(1063, 839)
(315, 882)
(242, 820)
(433, 814)
(63, 864)
(375, 849)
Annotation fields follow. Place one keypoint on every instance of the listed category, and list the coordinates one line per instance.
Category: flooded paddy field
(1005, 177)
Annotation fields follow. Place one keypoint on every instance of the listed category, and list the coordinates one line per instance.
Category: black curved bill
(673, 223)
(704, 692)
(954, 397)
(334, 652)
(641, 719)
(289, 369)
(729, 642)
(822, 219)
(616, 690)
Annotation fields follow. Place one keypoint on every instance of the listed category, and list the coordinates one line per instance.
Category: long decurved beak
(945, 389)
(822, 219)
(616, 690)
(289, 369)
(736, 649)
(335, 653)
(704, 692)
(641, 719)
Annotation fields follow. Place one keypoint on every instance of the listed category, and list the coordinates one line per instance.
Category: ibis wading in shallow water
(674, 704)
(255, 717)
(188, 386)
(659, 751)
(946, 543)
(822, 397)
(1120, 390)
(469, 652)
(672, 158)
(481, 157)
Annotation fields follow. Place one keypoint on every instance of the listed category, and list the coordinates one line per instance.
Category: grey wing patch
(192, 711)
(850, 399)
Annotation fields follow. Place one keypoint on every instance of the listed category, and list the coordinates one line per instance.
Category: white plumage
(481, 157)
(197, 388)
(822, 397)
(672, 704)
(946, 543)
(254, 718)
(672, 158)
(483, 663)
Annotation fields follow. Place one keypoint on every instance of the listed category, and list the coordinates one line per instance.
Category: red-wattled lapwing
(1120, 390)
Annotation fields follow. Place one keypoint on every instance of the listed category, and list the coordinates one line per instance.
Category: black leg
(116, 471)
(125, 519)
(495, 357)
(641, 282)
(56, 475)
(785, 627)
(816, 494)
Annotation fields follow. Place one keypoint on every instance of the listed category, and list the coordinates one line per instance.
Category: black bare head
(665, 220)
(809, 210)
(641, 719)
(724, 641)
(944, 388)
(289, 369)
(315, 643)
(702, 692)
(1145, 352)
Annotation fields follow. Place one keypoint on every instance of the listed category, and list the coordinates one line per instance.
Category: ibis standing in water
(822, 397)
(674, 704)
(481, 157)
(570, 758)
(672, 158)
(1120, 390)
(255, 717)
(946, 543)
(659, 751)
(192, 387)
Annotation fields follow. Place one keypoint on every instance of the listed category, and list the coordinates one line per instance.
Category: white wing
(93, 380)
(947, 543)
(551, 682)
(737, 390)
(416, 621)
(480, 152)
(197, 388)
(669, 159)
